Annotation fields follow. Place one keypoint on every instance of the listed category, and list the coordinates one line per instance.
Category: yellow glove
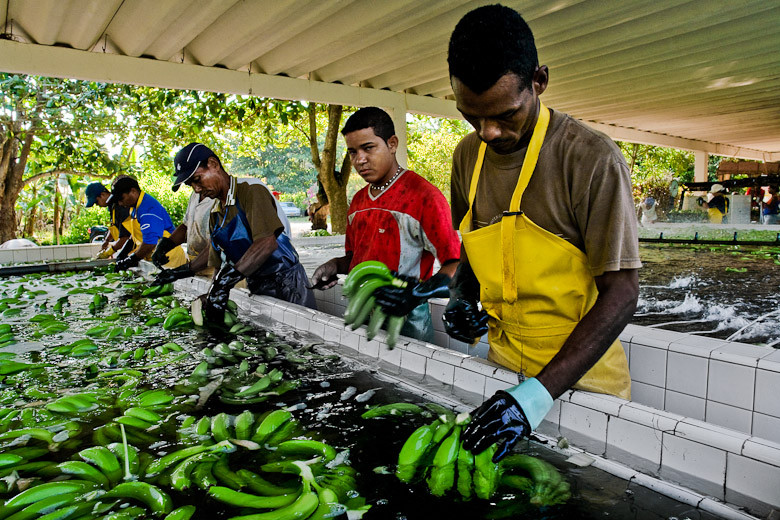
(106, 253)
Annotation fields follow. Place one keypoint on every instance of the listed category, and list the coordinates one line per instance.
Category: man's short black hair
(490, 42)
(370, 117)
(123, 186)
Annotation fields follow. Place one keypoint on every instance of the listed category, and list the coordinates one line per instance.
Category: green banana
(203, 475)
(36, 509)
(442, 476)
(361, 298)
(394, 409)
(378, 318)
(243, 425)
(83, 471)
(144, 414)
(153, 497)
(240, 499)
(259, 485)
(307, 448)
(43, 491)
(486, 473)
(182, 513)
(394, 325)
(465, 470)
(181, 478)
(128, 456)
(105, 460)
(220, 427)
(224, 474)
(163, 463)
(413, 452)
(363, 270)
(303, 507)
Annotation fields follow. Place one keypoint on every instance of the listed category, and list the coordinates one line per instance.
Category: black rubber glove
(171, 275)
(126, 249)
(219, 294)
(127, 263)
(500, 420)
(464, 321)
(700, 201)
(160, 255)
(400, 301)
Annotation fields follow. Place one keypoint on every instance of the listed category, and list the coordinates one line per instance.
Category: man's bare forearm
(593, 335)
(256, 255)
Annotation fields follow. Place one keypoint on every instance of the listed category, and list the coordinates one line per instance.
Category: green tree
(52, 127)
(431, 145)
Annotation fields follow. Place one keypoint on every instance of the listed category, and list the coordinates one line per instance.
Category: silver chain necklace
(384, 186)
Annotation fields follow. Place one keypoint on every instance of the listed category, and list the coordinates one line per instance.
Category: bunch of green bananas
(433, 452)
(359, 287)
(158, 290)
(6, 335)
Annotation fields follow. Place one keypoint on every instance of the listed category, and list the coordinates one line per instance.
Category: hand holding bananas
(463, 319)
(507, 417)
(219, 294)
(127, 262)
(400, 301)
(160, 255)
(171, 275)
(106, 253)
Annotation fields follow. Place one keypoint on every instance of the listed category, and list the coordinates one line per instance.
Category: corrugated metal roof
(701, 70)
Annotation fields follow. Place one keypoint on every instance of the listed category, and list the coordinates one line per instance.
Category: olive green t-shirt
(580, 191)
(258, 204)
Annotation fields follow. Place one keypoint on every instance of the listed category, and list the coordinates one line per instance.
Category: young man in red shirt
(399, 219)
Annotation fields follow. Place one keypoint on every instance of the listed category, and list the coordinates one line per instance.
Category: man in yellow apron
(718, 205)
(549, 233)
(152, 222)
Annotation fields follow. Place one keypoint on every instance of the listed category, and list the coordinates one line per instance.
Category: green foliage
(300, 199)
(317, 233)
(78, 231)
(431, 144)
(159, 186)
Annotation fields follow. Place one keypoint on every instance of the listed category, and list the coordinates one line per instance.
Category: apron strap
(509, 221)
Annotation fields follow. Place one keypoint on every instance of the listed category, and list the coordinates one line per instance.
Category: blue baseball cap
(93, 191)
(188, 160)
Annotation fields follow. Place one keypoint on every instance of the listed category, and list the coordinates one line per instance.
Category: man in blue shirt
(154, 223)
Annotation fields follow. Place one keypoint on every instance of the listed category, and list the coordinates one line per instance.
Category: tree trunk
(56, 228)
(29, 224)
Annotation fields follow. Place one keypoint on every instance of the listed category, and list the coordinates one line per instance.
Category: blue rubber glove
(507, 417)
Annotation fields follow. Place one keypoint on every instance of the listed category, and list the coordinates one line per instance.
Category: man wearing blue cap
(153, 222)
(117, 232)
(247, 235)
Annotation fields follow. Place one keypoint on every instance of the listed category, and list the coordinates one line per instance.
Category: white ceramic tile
(685, 405)
(748, 477)
(436, 314)
(627, 349)
(766, 427)
(366, 347)
(493, 385)
(457, 346)
(656, 338)
(449, 357)
(711, 435)
(18, 256)
(391, 356)
(729, 416)
(648, 365)
(332, 334)
(649, 395)
(423, 349)
(351, 339)
(687, 374)
(479, 350)
(471, 381)
(278, 314)
(33, 255)
(634, 444)
(290, 317)
(6, 257)
(599, 402)
(481, 366)
(585, 428)
(440, 371)
(413, 362)
(47, 253)
(72, 252)
(739, 353)
(629, 332)
(695, 345)
(731, 384)
(767, 387)
(504, 374)
(59, 253)
(696, 465)
(771, 361)
(441, 339)
(317, 328)
(302, 322)
(765, 451)
(649, 416)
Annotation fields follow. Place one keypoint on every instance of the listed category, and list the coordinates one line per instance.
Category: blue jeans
(419, 324)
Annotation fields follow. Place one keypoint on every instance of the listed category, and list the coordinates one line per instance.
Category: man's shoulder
(417, 182)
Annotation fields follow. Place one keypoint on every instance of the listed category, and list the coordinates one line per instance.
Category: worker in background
(118, 235)
(717, 206)
(399, 219)
(152, 219)
(247, 236)
(771, 207)
(549, 233)
(647, 212)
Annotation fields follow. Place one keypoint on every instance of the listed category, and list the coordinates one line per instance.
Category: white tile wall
(648, 364)
(440, 371)
(413, 362)
(729, 416)
(473, 382)
(767, 387)
(730, 383)
(683, 460)
(770, 362)
(685, 405)
(687, 374)
(584, 427)
(740, 353)
(766, 427)
(711, 435)
(656, 338)
(763, 450)
(634, 444)
(752, 478)
(369, 348)
(695, 345)
(647, 394)
(6, 256)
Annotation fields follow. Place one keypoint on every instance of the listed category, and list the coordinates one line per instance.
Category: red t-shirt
(405, 227)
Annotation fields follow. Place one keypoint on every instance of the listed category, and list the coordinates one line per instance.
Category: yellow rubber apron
(535, 286)
(113, 231)
(176, 256)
